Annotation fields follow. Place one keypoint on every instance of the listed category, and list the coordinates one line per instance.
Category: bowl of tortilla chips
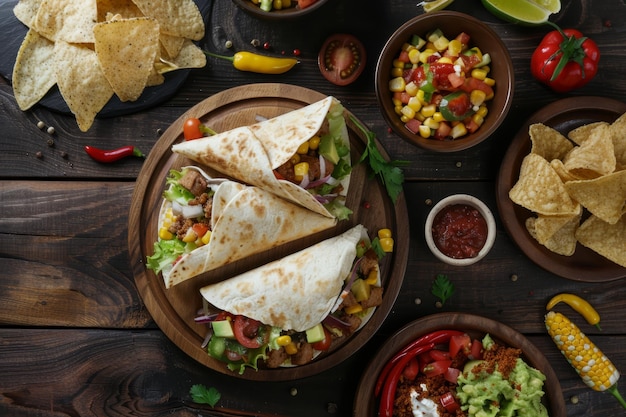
(561, 189)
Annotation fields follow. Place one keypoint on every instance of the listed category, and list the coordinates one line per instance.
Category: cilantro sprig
(389, 172)
(442, 288)
(202, 395)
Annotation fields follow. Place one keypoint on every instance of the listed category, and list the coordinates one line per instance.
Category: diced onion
(191, 212)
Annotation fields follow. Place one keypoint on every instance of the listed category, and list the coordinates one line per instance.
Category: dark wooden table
(75, 337)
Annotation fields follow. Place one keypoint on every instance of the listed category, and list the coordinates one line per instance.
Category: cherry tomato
(191, 129)
(246, 331)
(325, 343)
(341, 59)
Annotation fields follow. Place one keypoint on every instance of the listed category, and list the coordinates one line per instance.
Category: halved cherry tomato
(458, 343)
(412, 369)
(341, 59)
(436, 368)
(449, 402)
(325, 343)
(191, 129)
(246, 331)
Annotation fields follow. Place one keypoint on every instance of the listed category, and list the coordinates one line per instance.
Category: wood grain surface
(76, 337)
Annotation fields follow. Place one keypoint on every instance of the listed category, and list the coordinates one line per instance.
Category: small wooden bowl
(482, 36)
(283, 14)
(365, 402)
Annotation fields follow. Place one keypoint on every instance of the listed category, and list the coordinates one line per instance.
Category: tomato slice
(325, 343)
(458, 343)
(246, 331)
(341, 59)
(191, 129)
(436, 368)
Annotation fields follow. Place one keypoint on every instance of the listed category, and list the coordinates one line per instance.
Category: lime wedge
(433, 6)
(526, 12)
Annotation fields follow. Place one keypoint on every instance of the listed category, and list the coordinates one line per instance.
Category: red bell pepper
(565, 60)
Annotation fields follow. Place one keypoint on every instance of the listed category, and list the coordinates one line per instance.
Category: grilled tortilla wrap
(244, 220)
(251, 153)
(294, 293)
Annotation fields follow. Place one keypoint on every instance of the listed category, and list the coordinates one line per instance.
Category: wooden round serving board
(174, 309)
(365, 402)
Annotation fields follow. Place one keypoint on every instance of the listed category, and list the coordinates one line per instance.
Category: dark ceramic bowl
(282, 14)
(366, 403)
(451, 24)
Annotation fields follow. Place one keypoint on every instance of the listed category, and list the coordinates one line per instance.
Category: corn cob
(595, 369)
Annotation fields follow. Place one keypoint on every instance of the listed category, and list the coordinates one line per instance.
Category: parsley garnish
(442, 288)
(203, 395)
(389, 172)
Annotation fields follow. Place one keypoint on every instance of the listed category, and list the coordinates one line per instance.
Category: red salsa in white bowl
(460, 230)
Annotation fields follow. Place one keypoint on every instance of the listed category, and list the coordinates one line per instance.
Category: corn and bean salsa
(440, 87)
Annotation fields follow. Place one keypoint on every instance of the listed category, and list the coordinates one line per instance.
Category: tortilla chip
(605, 197)
(81, 82)
(563, 173)
(124, 8)
(562, 240)
(26, 11)
(176, 17)
(594, 157)
(171, 45)
(548, 226)
(539, 189)
(190, 56)
(154, 78)
(126, 51)
(608, 240)
(548, 142)
(618, 136)
(33, 72)
(67, 20)
(581, 133)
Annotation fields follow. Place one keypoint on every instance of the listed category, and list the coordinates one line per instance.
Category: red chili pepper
(565, 60)
(436, 337)
(391, 383)
(112, 155)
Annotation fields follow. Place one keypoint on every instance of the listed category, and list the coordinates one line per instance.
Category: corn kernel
(386, 244)
(482, 111)
(415, 104)
(489, 81)
(206, 238)
(438, 117)
(398, 109)
(454, 47)
(414, 56)
(314, 142)
(479, 73)
(353, 309)
(286, 3)
(424, 131)
(397, 84)
(372, 277)
(425, 54)
(165, 234)
(411, 88)
(295, 159)
(477, 97)
(300, 170)
(396, 72)
(428, 110)
(303, 149)
(431, 123)
(283, 340)
(408, 112)
(397, 63)
(190, 236)
(291, 348)
(404, 118)
(441, 43)
(384, 233)
(477, 119)
(277, 4)
(444, 60)
(458, 130)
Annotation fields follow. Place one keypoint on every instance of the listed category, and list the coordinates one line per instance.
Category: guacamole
(492, 387)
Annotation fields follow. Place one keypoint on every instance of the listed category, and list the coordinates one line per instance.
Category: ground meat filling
(434, 387)
(193, 181)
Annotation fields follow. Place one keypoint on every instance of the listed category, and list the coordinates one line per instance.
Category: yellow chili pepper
(262, 64)
(579, 304)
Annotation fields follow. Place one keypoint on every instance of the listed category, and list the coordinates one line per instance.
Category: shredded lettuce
(165, 254)
(175, 191)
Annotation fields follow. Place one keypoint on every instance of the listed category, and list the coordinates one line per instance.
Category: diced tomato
(439, 355)
(476, 350)
(416, 75)
(452, 374)
(303, 4)
(443, 131)
(200, 229)
(458, 343)
(471, 126)
(223, 315)
(413, 125)
(436, 368)
(449, 402)
(404, 57)
(411, 370)
(440, 75)
(278, 176)
(472, 83)
(459, 105)
(403, 96)
(463, 37)
(456, 80)
(424, 359)
(470, 61)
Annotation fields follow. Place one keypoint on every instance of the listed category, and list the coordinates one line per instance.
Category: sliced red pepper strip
(391, 383)
(439, 336)
(112, 155)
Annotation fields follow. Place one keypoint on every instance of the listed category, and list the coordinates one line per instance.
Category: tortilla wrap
(245, 220)
(294, 293)
(251, 153)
